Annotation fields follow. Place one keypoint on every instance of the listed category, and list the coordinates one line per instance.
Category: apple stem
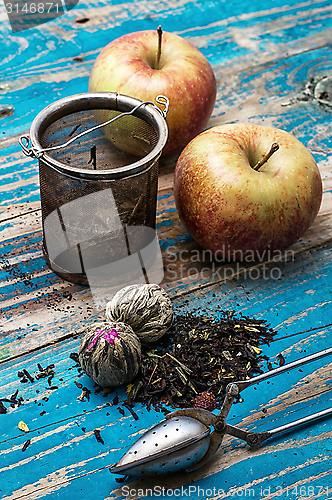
(160, 38)
(260, 163)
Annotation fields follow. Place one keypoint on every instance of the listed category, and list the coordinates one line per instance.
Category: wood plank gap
(20, 215)
(57, 422)
(248, 269)
(71, 335)
(303, 331)
(173, 298)
(60, 483)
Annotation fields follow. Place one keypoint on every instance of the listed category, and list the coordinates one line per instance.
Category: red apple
(151, 63)
(237, 197)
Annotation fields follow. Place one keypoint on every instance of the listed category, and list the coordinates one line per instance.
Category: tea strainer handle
(24, 140)
(243, 384)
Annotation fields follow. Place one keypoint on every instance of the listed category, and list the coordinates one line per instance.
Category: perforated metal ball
(146, 308)
(110, 353)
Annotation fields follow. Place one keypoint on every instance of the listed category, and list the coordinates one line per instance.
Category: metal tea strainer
(98, 159)
(184, 442)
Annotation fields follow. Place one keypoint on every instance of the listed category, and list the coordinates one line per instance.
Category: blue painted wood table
(268, 59)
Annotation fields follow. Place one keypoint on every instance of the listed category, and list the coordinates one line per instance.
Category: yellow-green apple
(241, 189)
(148, 63)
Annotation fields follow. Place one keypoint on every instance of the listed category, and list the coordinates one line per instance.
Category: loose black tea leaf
(47, 372)
(129, 407)
(93, 157)
(200, 354)
(76, 126)
(121, 410)
(98, 436)
(13, 397)
(3, 409)
(281, 359)
(74, 356)
(87, 393)
(85, 396)
(28, 376)
(26, 444)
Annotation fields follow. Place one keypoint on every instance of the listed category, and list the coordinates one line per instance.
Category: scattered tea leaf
(74, 357)
(85, 395)
(281, 359)
(28, 376)
(26, 444)
(129, 407)
(98, 436)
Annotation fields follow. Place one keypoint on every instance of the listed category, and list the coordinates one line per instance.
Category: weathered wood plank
(262, 59)
(229, 42)
(56, 307)
(68, 424)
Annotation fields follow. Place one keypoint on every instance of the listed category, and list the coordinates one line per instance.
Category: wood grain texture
(263, 57)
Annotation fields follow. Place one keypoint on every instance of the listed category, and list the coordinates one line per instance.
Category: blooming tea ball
(110, 353)
(146, 308)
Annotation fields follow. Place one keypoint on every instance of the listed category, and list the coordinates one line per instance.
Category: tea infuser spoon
(184, 441)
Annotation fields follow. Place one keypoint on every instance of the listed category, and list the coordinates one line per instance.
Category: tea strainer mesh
(98, 167)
